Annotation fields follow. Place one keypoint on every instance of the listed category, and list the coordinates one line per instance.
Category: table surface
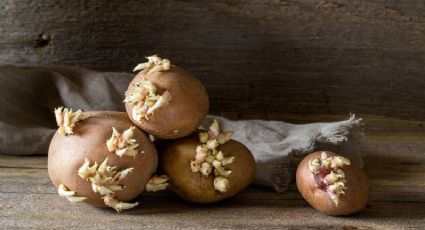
(394, 155)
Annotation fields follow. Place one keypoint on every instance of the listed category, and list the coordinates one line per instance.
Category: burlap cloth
(28, 96)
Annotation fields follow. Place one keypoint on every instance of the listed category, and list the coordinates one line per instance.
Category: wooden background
(301, 61)
(259, 58)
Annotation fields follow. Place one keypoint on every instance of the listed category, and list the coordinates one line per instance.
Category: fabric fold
(278, 146)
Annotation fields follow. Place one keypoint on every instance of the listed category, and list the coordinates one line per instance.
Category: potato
(87, 139)
(178, 158)
(165, 100)
(316, 189)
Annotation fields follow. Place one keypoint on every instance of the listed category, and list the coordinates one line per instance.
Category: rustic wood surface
(394, 153)
(267, 56)
(258, 59)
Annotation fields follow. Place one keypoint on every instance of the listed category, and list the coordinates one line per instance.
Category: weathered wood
(267, 56)
(166, 212)
(396, 168)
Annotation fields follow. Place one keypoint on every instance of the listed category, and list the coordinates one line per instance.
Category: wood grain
(299, 61)
(255, 57)
(396, 168)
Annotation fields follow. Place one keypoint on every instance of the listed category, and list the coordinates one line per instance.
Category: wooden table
(394, 159)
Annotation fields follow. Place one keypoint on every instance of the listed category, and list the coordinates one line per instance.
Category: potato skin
(175, 158)
(186, 110)
(355, 197)
(67, 154)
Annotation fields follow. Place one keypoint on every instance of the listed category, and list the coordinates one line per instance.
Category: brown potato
(68, 153)
(175, 160)
(183, 114)
(355, 197)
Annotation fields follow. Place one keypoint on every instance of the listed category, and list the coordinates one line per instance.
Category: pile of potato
(107, 159)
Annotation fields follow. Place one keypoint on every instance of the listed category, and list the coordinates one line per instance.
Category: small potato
(316, 184)
(165, 100)
(196, 183)
(128, 163)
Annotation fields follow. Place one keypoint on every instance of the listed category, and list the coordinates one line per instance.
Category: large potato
(178, 117)
(175, 161)
(356, 193)
(67, 153)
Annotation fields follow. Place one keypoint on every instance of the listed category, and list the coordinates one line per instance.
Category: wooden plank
(303, 57)
(49, 210)
(29, 162)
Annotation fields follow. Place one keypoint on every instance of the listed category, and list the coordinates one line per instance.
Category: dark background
(258, 59)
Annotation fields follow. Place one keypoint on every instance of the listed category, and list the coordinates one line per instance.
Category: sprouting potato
(165, 100)
(207, 166)
(331, 184)
(100, 158)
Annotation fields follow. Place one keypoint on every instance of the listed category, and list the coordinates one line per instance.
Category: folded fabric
(278, 146)
(28, 96)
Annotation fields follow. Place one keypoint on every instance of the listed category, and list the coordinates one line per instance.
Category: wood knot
(42, 40)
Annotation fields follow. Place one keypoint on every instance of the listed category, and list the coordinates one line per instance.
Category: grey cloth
(28, 96)
(278, 146)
